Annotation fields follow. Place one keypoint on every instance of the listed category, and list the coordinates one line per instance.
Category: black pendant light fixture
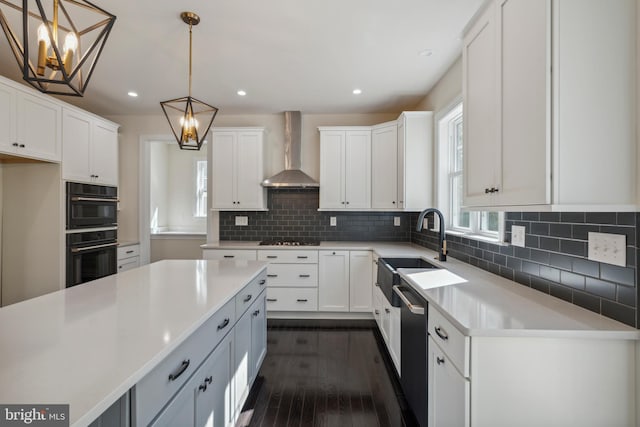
(57, 43)
(190, 119)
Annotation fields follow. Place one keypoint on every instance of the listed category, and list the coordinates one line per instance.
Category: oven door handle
(415, 309)
(92, 199)
(90, 248)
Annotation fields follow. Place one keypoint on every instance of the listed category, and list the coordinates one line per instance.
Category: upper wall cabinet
(90, 148)
(401, 163)
(545, 127)
(345, 168)
(29, 125)
(237, 169)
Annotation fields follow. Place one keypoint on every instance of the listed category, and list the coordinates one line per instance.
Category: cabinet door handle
(272, 256)
(441, 333)
(304, 275)
(129, 252)
(262, 282)
(255, 313)
(223, 324)
(377, 311)
(394, 202)
(386, 310)
(440, 360)
(183, 367)
(302, 257)
(228, 256)
(21, 145)
(347, 202)
(208, 380)
(272, 299)
(302, 300)
(15, 144)
(247, 298)
(272, 275)
(203, 386)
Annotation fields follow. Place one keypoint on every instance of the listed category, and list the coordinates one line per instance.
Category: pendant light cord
(190, 48)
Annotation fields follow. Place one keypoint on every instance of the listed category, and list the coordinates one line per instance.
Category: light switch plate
(608, 248)
(396, 221)
(242, 220)
(332, 221)
(517, 235)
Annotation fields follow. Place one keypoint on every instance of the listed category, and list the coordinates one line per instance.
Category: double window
(451, 182)
(201, 189)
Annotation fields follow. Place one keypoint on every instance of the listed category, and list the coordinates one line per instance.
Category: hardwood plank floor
(325, 376)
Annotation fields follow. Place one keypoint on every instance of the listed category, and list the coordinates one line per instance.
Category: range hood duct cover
(291, 176)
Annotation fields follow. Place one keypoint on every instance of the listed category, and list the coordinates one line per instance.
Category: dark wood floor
(326, 377)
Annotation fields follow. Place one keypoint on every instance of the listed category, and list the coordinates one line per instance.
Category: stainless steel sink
(388, 276)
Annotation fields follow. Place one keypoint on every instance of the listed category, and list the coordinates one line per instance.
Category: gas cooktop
(288, 243)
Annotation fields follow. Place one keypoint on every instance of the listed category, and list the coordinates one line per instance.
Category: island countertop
(86, 346)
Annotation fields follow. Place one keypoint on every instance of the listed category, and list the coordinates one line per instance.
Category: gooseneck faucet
(442, 253)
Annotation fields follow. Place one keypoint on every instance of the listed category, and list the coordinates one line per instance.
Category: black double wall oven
(92, 232)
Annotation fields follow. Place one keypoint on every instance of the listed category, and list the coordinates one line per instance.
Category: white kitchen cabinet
(236, 156)
(258, 332)
(448, 391)
(31, 125)
(128, 257)
(384, 166)
(220, 254)
(333, 280)
(394, 336)
(360, 281)
(533, 136)
(292, 279)
(90, 148)
(415, 160)
(345, 168)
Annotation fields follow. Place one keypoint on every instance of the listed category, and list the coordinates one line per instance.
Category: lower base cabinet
(388, 319)
(205, 400)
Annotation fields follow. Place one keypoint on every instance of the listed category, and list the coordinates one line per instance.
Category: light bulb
(70, 42)
(43, 34)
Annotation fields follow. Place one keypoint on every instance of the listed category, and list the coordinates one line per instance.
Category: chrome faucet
(442, 253)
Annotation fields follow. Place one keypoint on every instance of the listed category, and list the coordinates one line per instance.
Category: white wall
(448, 88)
(159, 180)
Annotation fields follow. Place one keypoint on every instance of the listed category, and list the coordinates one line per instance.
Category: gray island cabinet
(177, 342)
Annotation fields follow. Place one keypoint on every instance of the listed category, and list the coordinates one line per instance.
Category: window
(451, 186)
(201, 189)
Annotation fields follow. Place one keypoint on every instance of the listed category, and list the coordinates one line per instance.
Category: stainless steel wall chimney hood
(291, 176)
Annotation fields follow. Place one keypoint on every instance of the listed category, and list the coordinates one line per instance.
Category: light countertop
(478, 302)
(87, 345)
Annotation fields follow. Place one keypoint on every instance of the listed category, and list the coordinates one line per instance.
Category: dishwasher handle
(415, 309)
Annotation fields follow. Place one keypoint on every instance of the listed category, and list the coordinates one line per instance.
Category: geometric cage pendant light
(189, 118)
(57, 43)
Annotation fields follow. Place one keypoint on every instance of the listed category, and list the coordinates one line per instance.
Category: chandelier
(190, 119)
(56, 43)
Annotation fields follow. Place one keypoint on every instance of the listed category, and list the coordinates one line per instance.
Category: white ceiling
(286, 54)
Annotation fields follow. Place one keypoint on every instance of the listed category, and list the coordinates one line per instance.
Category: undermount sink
(388, 275)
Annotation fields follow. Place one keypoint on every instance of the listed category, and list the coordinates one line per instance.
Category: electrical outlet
(396, 221)
(608, 248)
(517, 235)
(332, 221)
(242, 220)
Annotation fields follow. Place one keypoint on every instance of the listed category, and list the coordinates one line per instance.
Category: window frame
(200, 190)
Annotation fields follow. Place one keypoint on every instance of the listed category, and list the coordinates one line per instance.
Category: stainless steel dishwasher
(413, 353)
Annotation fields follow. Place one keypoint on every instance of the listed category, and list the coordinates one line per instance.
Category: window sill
(478, 237)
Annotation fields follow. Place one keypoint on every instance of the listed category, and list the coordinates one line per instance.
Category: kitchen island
(88, 345)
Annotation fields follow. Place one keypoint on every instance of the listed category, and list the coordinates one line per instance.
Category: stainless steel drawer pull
(441, 333)
(183, 367)
(247, 298)
(302, 257)
(272, 299)
(229, 256)
(440, 360)
(272, 256)
(223, 324)
(304, 275)
(302, 300)
(272, 275)
(129, 252)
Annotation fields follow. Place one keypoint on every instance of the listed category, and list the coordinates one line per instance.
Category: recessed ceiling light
(241, 92)
(132, 94)
(425, 52)
(357, 91)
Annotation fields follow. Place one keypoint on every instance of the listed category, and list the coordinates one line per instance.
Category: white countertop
(482, 304)
(87, 345)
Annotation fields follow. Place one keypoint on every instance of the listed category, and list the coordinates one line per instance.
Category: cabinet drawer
(454, 344)
(128, 251)
(153, 391)
(249, 294)
(128, 264)
(220, 254)
(292, 299)
(288, 256)
(303, 275)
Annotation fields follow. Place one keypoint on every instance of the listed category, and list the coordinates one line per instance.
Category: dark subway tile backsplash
(555, 262)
